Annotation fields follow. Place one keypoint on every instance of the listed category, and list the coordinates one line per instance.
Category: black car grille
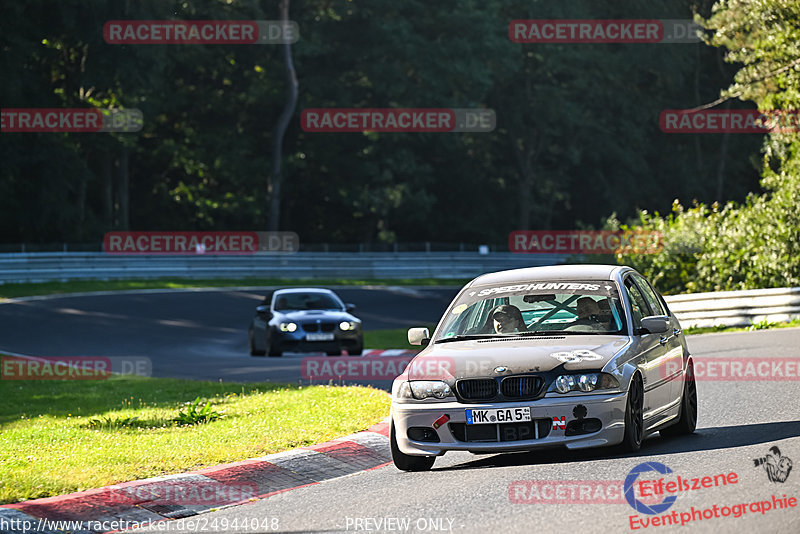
(520, 387)
(509, 388)
(536, 429)
(477, 389)
(319, 327)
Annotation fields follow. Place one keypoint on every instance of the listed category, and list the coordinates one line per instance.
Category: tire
(406, 462)
(687, 419)
(357, 350)
(252, 342)
(634, 416)
(274, 352)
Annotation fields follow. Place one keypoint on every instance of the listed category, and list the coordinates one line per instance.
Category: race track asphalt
(202, 335)
(195, 334)
(738, 423)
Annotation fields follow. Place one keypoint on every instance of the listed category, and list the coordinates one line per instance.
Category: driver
(507, 318)
(588, 311)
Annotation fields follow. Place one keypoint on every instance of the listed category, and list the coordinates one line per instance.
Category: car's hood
(311, 315)
(466, 359)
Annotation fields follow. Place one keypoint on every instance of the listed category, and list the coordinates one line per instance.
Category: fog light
(420, 433)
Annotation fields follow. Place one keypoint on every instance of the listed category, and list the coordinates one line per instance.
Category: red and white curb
(187, 494)
(389, 352)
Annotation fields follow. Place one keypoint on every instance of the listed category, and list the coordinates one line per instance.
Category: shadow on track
(704, 439)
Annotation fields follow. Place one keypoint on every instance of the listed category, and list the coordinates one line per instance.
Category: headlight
(347, 325)
(565, 383)
(422, 389)
(288, 327)
(584, 382)
(587, 382)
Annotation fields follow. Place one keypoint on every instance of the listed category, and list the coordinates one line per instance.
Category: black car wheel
(253, 350)
(406, 462)
(634, 416)
(357, 350)
(687, 419)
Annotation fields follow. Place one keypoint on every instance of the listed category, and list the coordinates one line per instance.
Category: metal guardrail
(731, 308)
(40, 267)
(736, 308)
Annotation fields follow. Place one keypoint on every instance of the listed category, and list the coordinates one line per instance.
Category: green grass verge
(763, 325)
(391, 339)
(50, 446)
(80, 286)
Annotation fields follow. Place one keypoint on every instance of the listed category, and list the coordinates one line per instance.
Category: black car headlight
(422, 389)
(347, 325)
(288, 327)
(584, 382)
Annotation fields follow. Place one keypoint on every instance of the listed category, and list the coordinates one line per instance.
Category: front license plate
(498, 415)
(320, 337)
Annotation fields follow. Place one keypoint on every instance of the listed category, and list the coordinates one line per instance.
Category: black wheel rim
(691, 398)
(635, 407)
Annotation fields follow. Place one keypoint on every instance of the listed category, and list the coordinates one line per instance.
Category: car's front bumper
(608, 408)
(297, 342)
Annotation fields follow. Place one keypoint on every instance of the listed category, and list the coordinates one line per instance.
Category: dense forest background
(577, 135)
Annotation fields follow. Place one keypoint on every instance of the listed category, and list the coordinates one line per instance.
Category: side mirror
(349, 308)
(419, 336)
(655, 324)
(262, 310)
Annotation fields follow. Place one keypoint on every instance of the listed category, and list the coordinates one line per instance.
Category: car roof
(304, 290)
(552, 272)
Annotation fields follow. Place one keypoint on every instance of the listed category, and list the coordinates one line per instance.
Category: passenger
(507, 318)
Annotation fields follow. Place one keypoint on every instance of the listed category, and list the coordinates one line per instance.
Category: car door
(652, 354)
(674, 359)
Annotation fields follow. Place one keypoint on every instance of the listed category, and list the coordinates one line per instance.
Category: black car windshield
(306, 301)
(591, 307)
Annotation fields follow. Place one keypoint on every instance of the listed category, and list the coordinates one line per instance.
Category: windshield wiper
(465, 337)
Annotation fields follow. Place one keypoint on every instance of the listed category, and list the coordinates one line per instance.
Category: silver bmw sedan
(575, 356)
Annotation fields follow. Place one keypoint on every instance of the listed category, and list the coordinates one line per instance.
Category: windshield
(306, 301)
(591, 307)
